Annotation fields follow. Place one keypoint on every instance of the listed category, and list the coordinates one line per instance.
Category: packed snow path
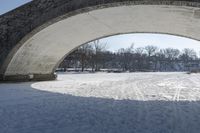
(103, 103)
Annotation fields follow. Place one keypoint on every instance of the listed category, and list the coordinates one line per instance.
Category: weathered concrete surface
(35, 37)
(30, 77)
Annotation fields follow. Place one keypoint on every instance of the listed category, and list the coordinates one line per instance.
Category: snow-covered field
(103, 103)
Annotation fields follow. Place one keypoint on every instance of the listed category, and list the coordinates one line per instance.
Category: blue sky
(7, 5)
(159, 40)
(124, 41)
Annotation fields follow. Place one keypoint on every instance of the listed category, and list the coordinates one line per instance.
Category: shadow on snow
(27, 110)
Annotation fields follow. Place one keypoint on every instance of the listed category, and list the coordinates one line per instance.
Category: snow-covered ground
(103, 103)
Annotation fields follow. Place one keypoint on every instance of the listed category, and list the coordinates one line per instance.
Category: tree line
(95, 57)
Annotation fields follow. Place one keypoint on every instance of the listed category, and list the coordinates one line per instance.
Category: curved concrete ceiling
(41, 53)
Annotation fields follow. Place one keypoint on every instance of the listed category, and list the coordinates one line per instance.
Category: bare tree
(84, 52)
(139, 50)
(187, 56)
(97, 57)
(140, 58)
(151, 51)
(161, 60)
(171, 55)
(126, 57)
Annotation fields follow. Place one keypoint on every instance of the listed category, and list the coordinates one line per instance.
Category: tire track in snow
(175, 84)
(147, 85)
(177, 94)
(133, 84)
(179, 120)
(142, 87)
(194, 105)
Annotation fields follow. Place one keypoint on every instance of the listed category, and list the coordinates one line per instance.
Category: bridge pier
(30, 77)
(1, 77)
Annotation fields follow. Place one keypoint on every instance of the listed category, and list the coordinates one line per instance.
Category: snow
(103, 103)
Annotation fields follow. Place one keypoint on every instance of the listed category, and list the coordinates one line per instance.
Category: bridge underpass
(36, 37)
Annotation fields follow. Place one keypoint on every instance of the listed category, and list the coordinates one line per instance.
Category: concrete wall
(35, 37)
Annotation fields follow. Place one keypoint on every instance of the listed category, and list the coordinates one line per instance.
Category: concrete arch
(34, 52)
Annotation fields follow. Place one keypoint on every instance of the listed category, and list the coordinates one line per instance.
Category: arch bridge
(35, 37)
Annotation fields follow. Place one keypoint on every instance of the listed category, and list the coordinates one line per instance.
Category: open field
(103, 103)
